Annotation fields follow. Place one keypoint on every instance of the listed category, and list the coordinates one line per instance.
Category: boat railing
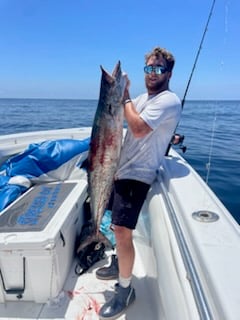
(198, 292)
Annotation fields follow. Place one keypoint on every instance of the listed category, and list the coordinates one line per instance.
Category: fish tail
(97, 237)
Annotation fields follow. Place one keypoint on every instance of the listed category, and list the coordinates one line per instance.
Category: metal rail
(198, 293)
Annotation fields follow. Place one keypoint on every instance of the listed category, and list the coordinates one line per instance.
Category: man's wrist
(127, 101)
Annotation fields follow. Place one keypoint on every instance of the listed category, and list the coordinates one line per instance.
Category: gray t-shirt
(141, 157)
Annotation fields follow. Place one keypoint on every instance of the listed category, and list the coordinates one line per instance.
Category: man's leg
(125, 253)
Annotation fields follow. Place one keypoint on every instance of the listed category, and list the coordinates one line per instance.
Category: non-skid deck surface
(82, 297)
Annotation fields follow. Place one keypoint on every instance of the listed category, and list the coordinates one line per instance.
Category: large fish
(105, 146)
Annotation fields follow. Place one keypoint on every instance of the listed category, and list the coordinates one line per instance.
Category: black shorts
(127, 201)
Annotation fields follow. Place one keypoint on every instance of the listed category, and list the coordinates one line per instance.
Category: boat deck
(82, 296)
(185, 268)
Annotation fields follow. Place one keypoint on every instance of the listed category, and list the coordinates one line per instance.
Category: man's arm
(136, 124)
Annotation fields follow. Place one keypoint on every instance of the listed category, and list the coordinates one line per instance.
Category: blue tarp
(47, 161)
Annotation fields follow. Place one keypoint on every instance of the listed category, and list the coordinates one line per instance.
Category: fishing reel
(177, 140)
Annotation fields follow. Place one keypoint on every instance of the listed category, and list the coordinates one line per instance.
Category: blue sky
(53, 48)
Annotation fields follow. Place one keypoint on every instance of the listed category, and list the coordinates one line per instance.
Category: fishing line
(208, 165)
(198, 52)
(225, 32)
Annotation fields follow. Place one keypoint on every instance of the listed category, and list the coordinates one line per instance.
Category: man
(152, 118)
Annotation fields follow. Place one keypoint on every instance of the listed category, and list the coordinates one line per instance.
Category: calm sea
(211, 130)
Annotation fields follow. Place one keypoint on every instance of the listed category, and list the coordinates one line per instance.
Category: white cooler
(37, 240)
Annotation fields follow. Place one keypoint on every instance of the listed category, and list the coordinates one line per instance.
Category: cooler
(37, 240)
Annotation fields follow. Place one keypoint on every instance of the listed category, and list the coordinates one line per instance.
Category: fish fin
(86, 242)
(105, 240)
(89, 256)
(99, 237)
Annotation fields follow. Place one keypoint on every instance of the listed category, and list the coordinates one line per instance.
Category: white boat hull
(186, 264)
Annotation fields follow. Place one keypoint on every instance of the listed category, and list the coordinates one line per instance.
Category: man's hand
(126, 95)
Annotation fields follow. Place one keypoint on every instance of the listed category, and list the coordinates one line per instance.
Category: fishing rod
(198, 52)
(178, 139)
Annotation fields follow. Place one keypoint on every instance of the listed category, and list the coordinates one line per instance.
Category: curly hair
(157, 52)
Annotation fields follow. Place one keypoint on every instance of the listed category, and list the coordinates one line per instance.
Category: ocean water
(211, 130)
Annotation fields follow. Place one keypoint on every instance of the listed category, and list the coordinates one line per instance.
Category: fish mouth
(115, 74)
(107, 77)
(117, 78)
(117, 70)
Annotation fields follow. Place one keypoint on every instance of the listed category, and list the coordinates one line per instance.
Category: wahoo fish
(105, 146)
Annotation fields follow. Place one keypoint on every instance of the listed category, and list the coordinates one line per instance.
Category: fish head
(112, 92)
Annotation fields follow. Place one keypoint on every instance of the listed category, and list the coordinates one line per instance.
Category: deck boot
(122, 298)
(110, 272)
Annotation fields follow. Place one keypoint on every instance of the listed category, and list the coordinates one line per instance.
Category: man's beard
(156, 86)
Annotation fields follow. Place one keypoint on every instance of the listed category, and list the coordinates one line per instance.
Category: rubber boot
(110, 272)
(122, 298)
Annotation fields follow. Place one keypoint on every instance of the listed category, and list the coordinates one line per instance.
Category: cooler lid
(34, 210)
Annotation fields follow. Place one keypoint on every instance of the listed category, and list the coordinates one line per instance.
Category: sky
(54, 48)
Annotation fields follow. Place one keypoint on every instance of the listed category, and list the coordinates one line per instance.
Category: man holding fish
(152, 118)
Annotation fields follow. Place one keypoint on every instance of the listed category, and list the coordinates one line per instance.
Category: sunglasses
(156, 69)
